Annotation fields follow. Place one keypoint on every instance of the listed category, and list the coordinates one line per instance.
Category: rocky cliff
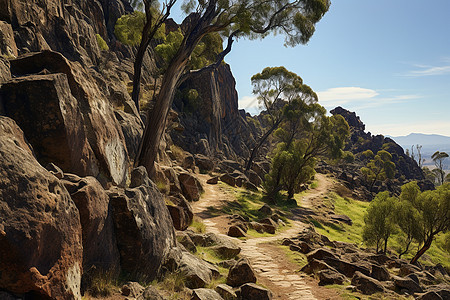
(406, 168)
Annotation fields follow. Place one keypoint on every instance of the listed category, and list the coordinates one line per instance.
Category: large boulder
(198, 273)
(103, 131)
(40, 230)
(329, 276)
(190, 186)
(408, 284)
(367, 285)
(205, 294)
(251, 291)
(181, 212)
(143, 227)
(241, 273)
(50, 117)
(99, 241)
(132, 129)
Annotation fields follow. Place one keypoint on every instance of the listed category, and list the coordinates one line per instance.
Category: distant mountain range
(422, 139)
(430, 144)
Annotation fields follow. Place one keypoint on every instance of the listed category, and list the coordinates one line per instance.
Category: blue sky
(388, 60)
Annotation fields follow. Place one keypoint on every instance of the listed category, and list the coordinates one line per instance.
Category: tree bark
(422, 250)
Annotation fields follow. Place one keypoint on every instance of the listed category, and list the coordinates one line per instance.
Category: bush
(101, 43)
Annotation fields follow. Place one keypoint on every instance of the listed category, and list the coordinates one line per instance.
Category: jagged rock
(205, 294)
(256, 226)
(287, 242)
(228, 179)
(408, 284)
(241, 273)
(226, 248)
(8, 47)
(251, 291)
(301, 247)
(226, 292)
(442, 290)
(99, 241)
(49, 115)
(266, 209)
(150, 293)
(132, 129)
(342, 218)
(235, 231)
(367, 285)
(320, 254)
(314, 266)
(40, 230)
(254, 178)
(407, 269)
(430, 296)
(143, 227)
(204, 163)
(380, 273)
(186, 241)
(5, 75)
(103, 131)
(328, 276)
(55, 170)
(181, 212)
(175, 186)
(347, 268)
(132, 289)
(198, 273)
(250, 186)
(190, 186)
(379, 258)
(228, 263)
(188, 161)
(213, 180)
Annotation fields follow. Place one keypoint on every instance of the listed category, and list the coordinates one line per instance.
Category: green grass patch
(353, 233)
(197, 225)
(294, 256)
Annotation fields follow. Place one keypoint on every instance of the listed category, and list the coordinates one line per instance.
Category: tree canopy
(295, 19)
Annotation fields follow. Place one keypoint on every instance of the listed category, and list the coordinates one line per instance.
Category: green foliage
(128, 28)
(348, 157)
(101, 43)
(368, 154)
(379, 221)
(293, 162)
(439, 158)
(379, 168)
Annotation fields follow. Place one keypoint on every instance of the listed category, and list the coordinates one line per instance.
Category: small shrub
(178, 152)
(162, 187)
(100, 283)
(101, 43)
(198, 225)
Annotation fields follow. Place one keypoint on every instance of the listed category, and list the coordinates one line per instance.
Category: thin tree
(438, 158)
(434, 210)
(277, 87)
(295, 19)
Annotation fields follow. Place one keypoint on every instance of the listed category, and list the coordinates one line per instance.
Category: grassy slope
(353, 234)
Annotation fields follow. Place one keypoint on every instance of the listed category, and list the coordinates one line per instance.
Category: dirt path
(273, 269)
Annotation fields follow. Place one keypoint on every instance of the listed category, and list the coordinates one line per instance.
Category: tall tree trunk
(156, 120)
(406, 249)
(261, 142)
(422, 250)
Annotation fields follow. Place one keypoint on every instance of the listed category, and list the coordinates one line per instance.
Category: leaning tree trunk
(156, 119)
(422, 250)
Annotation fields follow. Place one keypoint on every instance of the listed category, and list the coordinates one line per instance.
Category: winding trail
(272, 267)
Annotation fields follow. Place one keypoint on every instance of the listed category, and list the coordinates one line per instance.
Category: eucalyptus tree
(295, 19)
(278, 88)
(438, 158)
(379, 168)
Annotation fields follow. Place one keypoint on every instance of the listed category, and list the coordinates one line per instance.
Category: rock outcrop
(40, 231)
(143, 227)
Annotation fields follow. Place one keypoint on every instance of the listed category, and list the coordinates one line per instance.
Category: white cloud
(429, 71)
(343, 95)
(248, 102)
